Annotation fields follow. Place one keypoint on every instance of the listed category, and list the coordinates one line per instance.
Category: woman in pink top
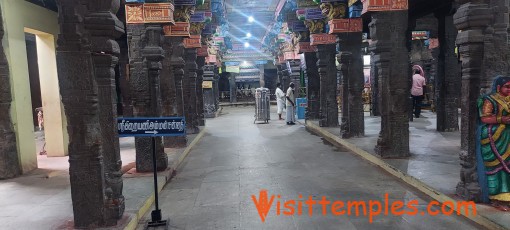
(417, 89)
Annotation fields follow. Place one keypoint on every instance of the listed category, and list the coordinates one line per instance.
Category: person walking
(280, 100)
(417, 89)
(290, 105)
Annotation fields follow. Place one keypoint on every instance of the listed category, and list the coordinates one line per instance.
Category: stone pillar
(448, 78)
(79, 91)
(351, 65)
(328, 85)
(233, 88)
(189, 87)
(177, 64)
(472, 19)
(375, 109)
(9, 162)
(280, 74)
(200, 92)
(262, 76)
(216, 88)
(314, 82)
(168, 89)
(105, 56)
(145, 66)
(295, 76)
(209, 93)
(122, 73)
(392, 61)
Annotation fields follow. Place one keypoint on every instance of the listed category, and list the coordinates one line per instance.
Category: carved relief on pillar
(384, 5)
(105, 56)
(149, 13)
(334, 10)
(469, 18)
(9, 161)
(182, 16)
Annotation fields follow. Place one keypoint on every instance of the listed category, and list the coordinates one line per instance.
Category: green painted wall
(19, 15)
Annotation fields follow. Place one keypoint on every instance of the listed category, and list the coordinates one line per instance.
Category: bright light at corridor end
(251, 19)
(246, 44)
(248, 35)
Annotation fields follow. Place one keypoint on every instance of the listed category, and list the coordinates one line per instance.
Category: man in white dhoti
(280, 100)
(291, 118)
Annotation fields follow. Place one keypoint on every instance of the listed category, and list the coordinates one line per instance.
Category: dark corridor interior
(33, 74)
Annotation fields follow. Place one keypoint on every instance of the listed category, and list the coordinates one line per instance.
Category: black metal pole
(156, 214)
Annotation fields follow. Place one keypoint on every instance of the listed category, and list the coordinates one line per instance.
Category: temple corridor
(236, 159)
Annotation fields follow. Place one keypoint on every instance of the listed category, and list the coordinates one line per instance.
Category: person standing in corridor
(417, 89)
(280, 100)
(290, 105)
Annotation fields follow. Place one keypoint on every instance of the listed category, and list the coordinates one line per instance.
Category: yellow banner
(207, 84)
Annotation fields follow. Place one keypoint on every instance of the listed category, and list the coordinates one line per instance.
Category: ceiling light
(246, 44)
(251, 19)
(245, 63)
(248, 35)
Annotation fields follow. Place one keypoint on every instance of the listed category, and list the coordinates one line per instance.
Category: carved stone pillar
(209, 92)
(153, 53)
(314, 82)
(177, 63)
(9, 162)
(233, 89)
(375, 109)
(351, 65)
(472, 19)
(200, 92)
(105, 53)
(280, 74)
(295, 76)
(388, 31)
(79, 91)
(328, 85)
(168, 88)
(216, 88)
(125, 106)
(448, 78)
(145, 66)
(190, 92)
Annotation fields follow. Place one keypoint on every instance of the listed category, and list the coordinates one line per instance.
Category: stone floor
(236, 159)
(41, 199)
(434, 156)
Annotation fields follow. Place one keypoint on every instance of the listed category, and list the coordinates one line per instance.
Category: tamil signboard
(151, 126)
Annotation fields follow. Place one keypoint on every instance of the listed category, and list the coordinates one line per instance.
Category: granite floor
(236, 159)
(434, 155)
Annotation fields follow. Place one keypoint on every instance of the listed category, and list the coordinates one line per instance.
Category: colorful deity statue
(494, 148)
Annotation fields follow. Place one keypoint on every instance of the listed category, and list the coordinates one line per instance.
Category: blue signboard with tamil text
(151, 126)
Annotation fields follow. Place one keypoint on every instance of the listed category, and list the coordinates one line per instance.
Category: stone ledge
(482, 213)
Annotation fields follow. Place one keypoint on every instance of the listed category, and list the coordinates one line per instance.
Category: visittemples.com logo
(370, 209)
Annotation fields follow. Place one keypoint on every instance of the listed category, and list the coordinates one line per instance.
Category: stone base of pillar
(144, 150)
(175, 142)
